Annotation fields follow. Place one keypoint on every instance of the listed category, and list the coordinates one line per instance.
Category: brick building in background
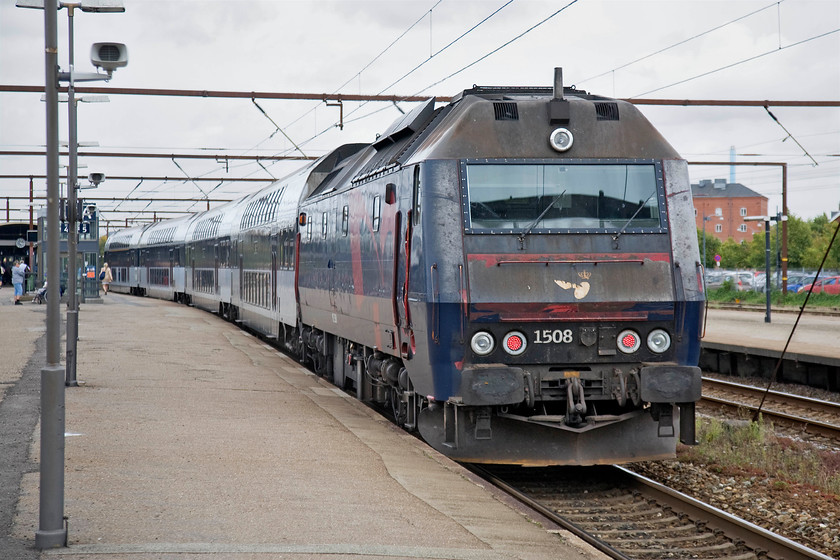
(725, 205)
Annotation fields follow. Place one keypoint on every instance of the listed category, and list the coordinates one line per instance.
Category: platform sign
(84, 227)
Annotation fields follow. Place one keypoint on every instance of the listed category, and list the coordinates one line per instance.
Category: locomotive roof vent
(506, 111)
(606, 111)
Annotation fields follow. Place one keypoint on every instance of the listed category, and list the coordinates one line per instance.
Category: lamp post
(52, 531)
(766, 220)
(706, 219)
(72, 178)
(72, 217)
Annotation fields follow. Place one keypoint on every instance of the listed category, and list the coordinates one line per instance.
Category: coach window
(415, 199)
(377, 208)
(345, 220)
(309, 228)
(324, 225)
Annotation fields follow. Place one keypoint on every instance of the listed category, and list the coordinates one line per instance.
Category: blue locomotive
(515, 274)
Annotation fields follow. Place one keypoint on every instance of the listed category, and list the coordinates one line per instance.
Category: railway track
(627, 516)
(813, 416)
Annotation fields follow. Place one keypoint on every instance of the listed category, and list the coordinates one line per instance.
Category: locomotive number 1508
(557, 336)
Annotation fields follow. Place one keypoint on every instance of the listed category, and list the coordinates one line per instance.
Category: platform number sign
(84, 228)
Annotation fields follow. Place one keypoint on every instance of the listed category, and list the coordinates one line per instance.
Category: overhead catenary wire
(369, 64)
(264, 167)
(277, 127)
(738, 63)
(462, 69)
(684, 41)
(500, 47)
(431, 56)
(364, 103)
(789, 135)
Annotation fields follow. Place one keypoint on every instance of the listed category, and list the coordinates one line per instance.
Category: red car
(829, 285)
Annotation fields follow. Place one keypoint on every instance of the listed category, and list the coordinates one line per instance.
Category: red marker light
(514, 343)
(628, 341)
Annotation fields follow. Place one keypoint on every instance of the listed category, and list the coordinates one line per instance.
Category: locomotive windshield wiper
(540, 217)
(633, 217)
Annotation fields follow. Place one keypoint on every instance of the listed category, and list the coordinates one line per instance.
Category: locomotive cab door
(404, 231)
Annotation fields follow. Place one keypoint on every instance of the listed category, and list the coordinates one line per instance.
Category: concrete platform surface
(816, 335)
(193, 439)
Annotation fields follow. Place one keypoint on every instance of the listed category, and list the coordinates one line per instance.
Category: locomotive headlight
(628, 341)
(659, 341)
(514, 343)
(561, 139)
(482, 343)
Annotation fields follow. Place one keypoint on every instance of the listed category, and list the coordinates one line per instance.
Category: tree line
(807, 243)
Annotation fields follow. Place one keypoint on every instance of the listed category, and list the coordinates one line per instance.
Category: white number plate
(556, 336)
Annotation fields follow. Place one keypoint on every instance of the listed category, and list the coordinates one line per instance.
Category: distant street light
(706, 219)
(766, 220)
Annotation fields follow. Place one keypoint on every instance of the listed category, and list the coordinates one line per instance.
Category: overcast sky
(733, 49)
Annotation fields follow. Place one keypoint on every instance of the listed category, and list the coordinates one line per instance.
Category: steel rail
(818, 405)
(757, 538)
(589, 538)
(764, 543)
(815, 427)
(809, 425)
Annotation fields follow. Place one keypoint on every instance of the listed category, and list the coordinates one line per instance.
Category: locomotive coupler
(575, 403)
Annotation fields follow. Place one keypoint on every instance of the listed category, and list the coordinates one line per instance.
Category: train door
(329, 245)
(275, 240)
(241, 278)
(215, 268)
(171, 268)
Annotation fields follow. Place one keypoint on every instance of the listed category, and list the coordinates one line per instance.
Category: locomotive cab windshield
(551, 196)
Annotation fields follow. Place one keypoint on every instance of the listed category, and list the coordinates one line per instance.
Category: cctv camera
(96, 178)
(109, 56)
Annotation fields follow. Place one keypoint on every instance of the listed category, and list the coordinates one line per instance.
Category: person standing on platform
(106, 277)
(18, 278)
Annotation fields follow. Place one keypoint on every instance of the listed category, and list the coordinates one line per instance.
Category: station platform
(190, 438)
(817, 337)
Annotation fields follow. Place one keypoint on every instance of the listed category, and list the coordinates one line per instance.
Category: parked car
(828, 285)
(743, 281)
(714, 278)
(799, 279)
